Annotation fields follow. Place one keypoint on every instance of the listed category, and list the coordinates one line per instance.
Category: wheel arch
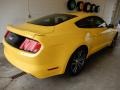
(81, 46)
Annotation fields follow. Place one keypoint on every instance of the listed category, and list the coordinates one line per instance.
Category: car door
(102, 31)
(95, 28)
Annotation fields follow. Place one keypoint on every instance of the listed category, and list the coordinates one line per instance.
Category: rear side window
(91, 22)
(52, 20)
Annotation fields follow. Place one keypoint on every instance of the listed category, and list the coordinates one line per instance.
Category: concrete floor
(101, 72)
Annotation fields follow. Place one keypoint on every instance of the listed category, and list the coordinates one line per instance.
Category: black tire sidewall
(68, 68)
(92, 8)
(80, 5)
(71, 4)
(97, 9)
(87, 7)
(114, 41)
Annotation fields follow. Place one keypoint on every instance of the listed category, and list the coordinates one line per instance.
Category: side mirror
(110, 26)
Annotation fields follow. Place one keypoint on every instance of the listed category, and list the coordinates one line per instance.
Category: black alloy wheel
(76, 62)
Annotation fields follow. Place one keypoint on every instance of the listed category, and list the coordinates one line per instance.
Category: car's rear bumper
(31, 63)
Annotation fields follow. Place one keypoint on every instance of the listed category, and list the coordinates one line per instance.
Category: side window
(91, 22)
(84, 23)
(99, 22)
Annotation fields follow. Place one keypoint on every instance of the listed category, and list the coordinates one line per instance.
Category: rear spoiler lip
(14, 29)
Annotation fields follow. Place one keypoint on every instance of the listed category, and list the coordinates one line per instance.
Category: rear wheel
(76, 62)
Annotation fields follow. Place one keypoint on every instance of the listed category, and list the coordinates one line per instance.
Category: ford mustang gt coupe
(57, 44)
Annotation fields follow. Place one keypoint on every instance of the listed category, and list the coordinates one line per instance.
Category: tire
(80, 6)
(97, 9)
(113, 44)
(87, 7)
(76, 62)
(92, 8)
(71, 5)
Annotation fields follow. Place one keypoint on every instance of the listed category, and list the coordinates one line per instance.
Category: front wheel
(114, 41)
(76, 62)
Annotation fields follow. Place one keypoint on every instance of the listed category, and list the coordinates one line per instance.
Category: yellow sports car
(57, 44)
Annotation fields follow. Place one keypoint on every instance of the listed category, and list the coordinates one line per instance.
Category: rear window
(52, 20)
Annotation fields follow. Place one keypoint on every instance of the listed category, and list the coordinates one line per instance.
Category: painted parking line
(18, 75)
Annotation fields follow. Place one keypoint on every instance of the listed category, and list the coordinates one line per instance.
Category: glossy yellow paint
(58, 43)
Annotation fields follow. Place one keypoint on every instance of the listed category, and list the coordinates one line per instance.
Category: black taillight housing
(22, 42)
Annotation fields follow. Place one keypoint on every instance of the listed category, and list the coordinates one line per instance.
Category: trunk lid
(30, 30)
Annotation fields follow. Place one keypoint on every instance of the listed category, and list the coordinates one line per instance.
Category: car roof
(81, 14)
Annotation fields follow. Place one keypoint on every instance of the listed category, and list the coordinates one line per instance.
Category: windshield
(52, 20)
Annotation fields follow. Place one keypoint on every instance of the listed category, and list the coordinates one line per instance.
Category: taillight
(7, 33)
(30, 45)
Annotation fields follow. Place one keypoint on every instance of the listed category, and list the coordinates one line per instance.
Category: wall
(106, 8)
(116, 13)
(109, 9)
(16, 11)
(11, 12)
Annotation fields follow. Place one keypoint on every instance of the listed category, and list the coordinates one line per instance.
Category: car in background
(57, 44)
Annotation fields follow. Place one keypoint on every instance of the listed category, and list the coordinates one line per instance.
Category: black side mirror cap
(110, 26)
